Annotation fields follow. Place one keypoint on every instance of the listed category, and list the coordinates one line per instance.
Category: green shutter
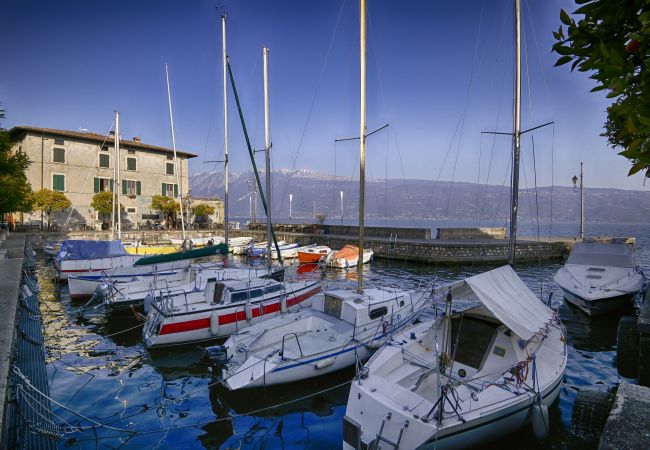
(164, 192)
(138, 188)
(96, 184)
(175, 190)
(124, 188)
(111, 185)
(58, 182)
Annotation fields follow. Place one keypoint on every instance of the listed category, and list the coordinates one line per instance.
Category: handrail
(297, 341)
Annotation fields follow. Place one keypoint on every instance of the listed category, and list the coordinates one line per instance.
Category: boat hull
(77, 266)
(599, 306)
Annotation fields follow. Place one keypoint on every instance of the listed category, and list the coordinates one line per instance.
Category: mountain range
(316, 193)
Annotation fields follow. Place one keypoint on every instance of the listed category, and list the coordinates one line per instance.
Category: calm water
(167, 399)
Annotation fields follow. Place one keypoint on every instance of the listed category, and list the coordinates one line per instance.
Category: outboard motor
(216, 356)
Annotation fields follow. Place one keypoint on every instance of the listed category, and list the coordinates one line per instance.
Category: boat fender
(248, 309)
(540, 419)
(214, 322)
(283, 304)
(385, 327)
(148, 300)
(324, 363)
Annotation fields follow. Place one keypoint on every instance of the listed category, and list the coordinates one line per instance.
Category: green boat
(210, 250)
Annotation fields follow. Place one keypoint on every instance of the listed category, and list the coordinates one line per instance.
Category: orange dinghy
(313, 254)
(348, 256)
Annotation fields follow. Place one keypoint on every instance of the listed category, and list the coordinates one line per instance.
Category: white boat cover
(509, 299)
(602, 254)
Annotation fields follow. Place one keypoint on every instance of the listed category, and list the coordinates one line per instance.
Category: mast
(113, 181)
(267, 145)
(582, 205)
(516, 135)
(117, 168)
(362, 141)
(176, 171)
(225, 126)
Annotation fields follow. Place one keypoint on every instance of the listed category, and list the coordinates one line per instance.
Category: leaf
(644, 120)
(562, 49)
(564, 17)
(636, 167)
(597, 88)
(556, 35)
(563, 60)
(604, 50)
(575, 63)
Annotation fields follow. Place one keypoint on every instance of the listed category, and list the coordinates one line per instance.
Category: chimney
(137, 139)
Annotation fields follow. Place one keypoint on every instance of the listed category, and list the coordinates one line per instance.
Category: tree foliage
(102, 202)
(165, 205)
(49, 202)
(202, 210)
(611, 41)
(15, 191)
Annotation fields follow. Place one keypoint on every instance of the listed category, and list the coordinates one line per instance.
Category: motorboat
(347, 257)
(221, 308)
(287, 251)
(200, 242)
(465, 377)
(238, 245)
(600, 277)
(51, 248)
(141, 291)
(138, 248)
(76, 256)
(340, 328)
(313, 254)
(259, 250)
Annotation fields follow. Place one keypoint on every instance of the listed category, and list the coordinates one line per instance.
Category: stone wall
(471, 233)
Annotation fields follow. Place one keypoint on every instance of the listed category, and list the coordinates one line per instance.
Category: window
(59, 141)
(104, 160)
(378, 312)
(169, 169)
(105, 148)
(58, 155)
(131, 152)
(170, 190)
(170, 156)
(131, 188)
(103, 184)
(130, 210)
(131, 164)
(58, 182)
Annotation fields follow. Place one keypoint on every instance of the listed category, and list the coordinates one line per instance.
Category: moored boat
(238, 245)
(347, 257)
(77, 256)
(313, 254)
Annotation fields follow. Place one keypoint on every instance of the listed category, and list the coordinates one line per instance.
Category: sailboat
(340, 328)
(465, 377)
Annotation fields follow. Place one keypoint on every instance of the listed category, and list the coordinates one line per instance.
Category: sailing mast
(516, 135)
(176, 168)
(362, 141)
(117, 169)
(267, 146)
(113, 182)
(225, 126)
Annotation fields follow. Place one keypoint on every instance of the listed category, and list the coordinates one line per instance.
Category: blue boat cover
(76, 249)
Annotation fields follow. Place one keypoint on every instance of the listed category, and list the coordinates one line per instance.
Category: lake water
(167, 399)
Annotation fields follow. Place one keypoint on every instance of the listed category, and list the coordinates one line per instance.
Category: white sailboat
(468, 377)
(340, 328)
(600, 277)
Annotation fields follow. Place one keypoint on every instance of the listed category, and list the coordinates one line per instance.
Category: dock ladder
(380, 438)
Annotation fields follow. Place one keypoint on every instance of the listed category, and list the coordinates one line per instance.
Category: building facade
(81, 164)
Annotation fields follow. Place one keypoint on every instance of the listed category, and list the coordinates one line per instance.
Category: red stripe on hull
(239, 316)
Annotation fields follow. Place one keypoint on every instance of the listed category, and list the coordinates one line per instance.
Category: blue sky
(439, 72)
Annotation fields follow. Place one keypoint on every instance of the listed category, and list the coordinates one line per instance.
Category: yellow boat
(150, 249)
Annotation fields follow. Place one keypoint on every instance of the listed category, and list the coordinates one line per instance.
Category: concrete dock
(628, 425)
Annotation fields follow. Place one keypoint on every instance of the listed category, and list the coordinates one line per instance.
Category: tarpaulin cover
(602, 254)
(509, 299)
(79, 249)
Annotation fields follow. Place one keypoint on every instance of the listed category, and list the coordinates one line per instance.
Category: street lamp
(290, 201)
(341, 207)
(582, 200)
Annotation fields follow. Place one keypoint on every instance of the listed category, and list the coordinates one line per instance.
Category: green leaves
(610, 43)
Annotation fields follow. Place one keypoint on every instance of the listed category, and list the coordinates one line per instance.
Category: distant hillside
(420, 199)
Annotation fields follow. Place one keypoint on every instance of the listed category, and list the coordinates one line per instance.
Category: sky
(439, 73)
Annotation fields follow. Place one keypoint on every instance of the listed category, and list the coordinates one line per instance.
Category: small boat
(200, 242)
(348, 256)
(51, 248)
(313, 254)
(600, 277)
(238, 245)
(203, 252)
(287, 251)
(259, 250)
(76, 256)
(221, 309)
(137, 248)
(340, 328)
(465, 378)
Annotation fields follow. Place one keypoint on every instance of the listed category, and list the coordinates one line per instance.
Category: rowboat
(313, 254)
(347, 257)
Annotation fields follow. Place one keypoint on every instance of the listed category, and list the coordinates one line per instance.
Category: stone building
(216, 203)
(80, 164)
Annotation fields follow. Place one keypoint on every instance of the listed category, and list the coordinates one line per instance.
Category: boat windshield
(602, 254)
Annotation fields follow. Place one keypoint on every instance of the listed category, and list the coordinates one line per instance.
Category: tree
(103, 203)
(202, 211)
(611, 41)
(49, 202)
(15, 191)
(165, 205)
(320, 217)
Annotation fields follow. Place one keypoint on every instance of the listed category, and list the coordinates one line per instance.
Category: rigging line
(313, 101)
(386, 184)
(505, 177)
(550, 227)
(476, 63)
(385, 106)
(496, 125)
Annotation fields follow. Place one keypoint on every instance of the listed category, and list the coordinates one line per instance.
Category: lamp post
(582, 200)
(341, 207)
(290, 201)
